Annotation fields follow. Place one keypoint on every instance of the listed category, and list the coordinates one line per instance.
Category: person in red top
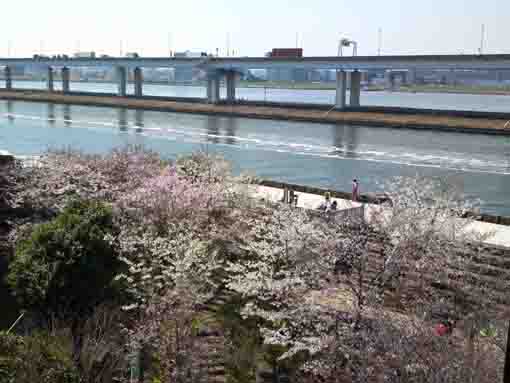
(444, 328)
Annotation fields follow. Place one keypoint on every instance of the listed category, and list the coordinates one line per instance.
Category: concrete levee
(453, 121)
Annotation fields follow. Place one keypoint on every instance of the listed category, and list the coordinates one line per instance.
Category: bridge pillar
(65, 80)
(355, 88)
(389, 80)
(49, 80)
(213, 90)
(230, 80)
(451, 77)
(121, 81)
(341, 89)
(8, 78)
(138, 82)
(411, 77)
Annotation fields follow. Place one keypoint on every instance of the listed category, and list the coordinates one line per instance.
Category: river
(322, 155)
(475, 102)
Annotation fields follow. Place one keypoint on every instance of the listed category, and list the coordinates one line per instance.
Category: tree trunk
(77, 346)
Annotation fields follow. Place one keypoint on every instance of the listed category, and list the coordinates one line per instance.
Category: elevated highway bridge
(229, 68)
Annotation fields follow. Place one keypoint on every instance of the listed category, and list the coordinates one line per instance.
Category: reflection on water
(346, 140)
(312, 154)
(51, 114)
(139, 114)
(10, 111)
(218, 128)
(213, 130)
(122, 119)
(67, 115)
(231, 129)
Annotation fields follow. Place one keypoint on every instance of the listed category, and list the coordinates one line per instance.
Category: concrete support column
(49, 80)
(341, 89)
(66, 75)
(8, 78)
(138, 82)
(230, 79)
(213, 90)
(451, 77)
(121, 81)
(411, 77)
(389, 80)
(355, 88)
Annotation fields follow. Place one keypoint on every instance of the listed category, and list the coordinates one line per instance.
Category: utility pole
(482, 38)
(379, 42)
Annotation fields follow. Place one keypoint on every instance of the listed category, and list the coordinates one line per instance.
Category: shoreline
(369, 197)
(323, 86)
(364, 116)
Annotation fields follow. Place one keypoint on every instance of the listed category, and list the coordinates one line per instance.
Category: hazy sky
(408, 26)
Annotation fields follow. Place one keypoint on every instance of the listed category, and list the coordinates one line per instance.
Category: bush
(66, 267)
(37, 358)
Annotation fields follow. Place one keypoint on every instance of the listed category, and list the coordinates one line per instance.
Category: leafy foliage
(65, 268)
(271, 287)
(40, 357)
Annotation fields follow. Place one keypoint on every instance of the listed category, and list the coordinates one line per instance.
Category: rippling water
(313, 154)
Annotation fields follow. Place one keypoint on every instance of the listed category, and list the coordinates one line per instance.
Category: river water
(322, 155)
(484, 103)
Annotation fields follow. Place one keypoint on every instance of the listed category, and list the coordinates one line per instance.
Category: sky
(154, 27)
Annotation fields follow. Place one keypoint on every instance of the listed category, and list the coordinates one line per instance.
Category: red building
(286, 52)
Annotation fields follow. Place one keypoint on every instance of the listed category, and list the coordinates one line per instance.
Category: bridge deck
(441, 62)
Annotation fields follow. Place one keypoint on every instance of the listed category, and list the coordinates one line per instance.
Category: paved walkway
(498, 235)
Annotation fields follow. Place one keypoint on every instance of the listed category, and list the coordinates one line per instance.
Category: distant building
(189, 54)
(285, 52)
(88, 55)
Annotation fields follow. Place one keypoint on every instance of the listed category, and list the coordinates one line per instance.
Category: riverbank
(412, 120)
(227, 247)
(502, 90)
(450, 89)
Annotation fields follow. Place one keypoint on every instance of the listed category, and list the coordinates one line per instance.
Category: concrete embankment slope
(497, 126)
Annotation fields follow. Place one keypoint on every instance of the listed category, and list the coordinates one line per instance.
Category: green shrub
(37, 358)
(65, 268)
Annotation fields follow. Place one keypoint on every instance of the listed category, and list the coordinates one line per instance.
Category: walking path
(498, 235)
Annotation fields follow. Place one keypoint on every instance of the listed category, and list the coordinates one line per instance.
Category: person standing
(355, 190)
